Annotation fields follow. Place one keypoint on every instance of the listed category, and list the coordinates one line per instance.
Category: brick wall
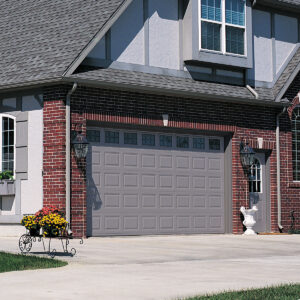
(54, 160)
(241, 121)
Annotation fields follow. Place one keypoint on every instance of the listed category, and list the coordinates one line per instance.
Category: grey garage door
(154, 183)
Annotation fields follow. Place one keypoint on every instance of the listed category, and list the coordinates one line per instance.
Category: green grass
(284, 292)
(17, 262)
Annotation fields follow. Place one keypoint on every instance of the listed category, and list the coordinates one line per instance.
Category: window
(8, 143)
(214, 144)
(130, 138)
(296, 143)
(165, 140)
(182, 142)
(93, 136)
(112, 137)
(223, 25)
(199, 143)
(148, 140)
(255, 177)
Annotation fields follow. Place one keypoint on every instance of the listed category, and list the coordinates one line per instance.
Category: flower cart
(47, 224)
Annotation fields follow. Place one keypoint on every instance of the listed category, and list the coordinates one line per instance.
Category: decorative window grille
(255, 183)
(296, 143)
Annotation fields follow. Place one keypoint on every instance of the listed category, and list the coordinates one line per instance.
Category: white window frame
(223, 30)
(1, 140)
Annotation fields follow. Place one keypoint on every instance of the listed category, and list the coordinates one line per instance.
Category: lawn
(17, 262)
(284, 292)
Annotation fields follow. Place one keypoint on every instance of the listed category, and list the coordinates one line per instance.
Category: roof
(189, 87)
(40, 39)
(288, 4)
(169, 85)
(44, 41)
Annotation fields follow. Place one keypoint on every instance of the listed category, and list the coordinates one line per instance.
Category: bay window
(223, 26)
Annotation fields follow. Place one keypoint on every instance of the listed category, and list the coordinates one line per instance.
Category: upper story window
(223, 26)
(296, 143)
(7, 127)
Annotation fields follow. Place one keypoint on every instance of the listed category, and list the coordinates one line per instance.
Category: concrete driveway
(158, 267)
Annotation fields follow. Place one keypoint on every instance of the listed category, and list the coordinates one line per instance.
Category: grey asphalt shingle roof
(171, 84)
(139, 80)
(41, 38)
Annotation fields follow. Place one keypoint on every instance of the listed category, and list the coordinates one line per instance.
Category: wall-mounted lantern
(81, 145)
(247, 155)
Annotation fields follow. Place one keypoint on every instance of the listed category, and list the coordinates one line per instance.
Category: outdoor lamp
(81, 145)
(247, 155)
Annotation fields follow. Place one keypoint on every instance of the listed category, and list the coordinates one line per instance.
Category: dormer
(218, 32)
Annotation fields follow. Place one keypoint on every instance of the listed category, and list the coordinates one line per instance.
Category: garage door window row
(147, 139)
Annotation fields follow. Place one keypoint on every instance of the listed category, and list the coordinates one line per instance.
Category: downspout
(68, 153)
(278, 167)
(252, 91)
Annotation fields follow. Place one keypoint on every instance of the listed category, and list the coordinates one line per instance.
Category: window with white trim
(296, 143)
(8, 143)
(223, 26)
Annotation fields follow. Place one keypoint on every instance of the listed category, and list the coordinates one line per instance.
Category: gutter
(278, 167)
(68, 153)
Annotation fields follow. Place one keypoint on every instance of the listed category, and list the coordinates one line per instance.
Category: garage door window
(214, 144)
(165, 140)
(93, 136)
(199, 143)
(111, 137)
(130, 138)
(148, 140)
(182, 142)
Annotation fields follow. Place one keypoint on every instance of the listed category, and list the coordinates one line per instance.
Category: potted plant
(53, 225)
(7, 184)
(31, 224)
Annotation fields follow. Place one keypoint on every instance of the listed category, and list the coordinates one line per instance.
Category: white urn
(249, 220)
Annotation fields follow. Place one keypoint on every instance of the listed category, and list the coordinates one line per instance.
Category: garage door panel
(136, 190)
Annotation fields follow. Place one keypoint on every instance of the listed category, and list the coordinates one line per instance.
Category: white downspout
(252, 91)
(278, 167)
(68, 153)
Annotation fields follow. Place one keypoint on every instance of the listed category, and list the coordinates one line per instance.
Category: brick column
(54, 163)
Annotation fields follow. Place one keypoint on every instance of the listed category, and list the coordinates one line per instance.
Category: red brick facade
(240, 121)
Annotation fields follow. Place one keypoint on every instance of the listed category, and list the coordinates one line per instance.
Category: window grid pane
(112, 137)
(182, 142)
(235, 12)
(235, 40)
(8, 144)
(211, 10)
(165, 141)
(214, 144)
(199, 143)
(93, 136)
(148, 140)
(130, 138)
(210, 36)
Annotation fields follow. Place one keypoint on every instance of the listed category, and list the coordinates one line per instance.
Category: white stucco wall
(163, 34)
(262, 44)
(286, 36)
(32, 189)
(127, 35)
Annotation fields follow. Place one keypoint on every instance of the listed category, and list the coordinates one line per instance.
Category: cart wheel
(73, 251)
(25, 243)
(53, 253)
